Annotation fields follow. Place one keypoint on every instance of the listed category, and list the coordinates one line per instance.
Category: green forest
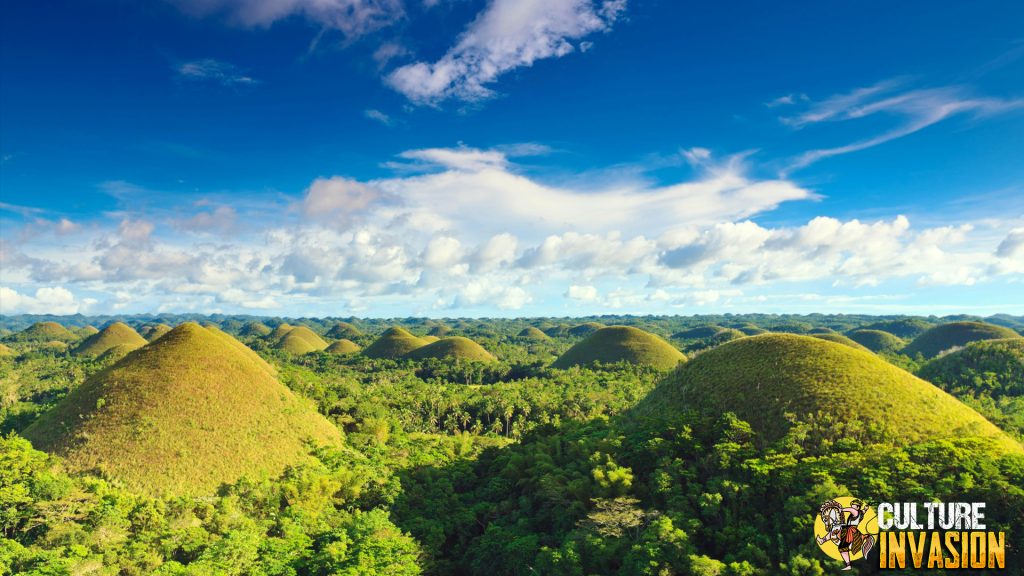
(613, 445)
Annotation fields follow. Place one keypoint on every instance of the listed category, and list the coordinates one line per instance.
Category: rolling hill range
(621, 344)
(762, 378)
(46, 332)
(181, 416)
(117, 334)
(947, 336)
(300, 340)
(453, 348)
(394, 343)
(840, 339)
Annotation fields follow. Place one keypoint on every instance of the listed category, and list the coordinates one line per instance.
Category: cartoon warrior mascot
(842, 528)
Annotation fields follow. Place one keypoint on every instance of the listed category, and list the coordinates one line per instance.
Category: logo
(846, 529)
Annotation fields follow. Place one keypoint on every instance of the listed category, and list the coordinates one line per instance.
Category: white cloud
(583, 293)
(216, 71)
(47, 300)
(378, 116)
(508, 34)
(352, 17)
(914, 110)
(337, 198)
(1013, 245)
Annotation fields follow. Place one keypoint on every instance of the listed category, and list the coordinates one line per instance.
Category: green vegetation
(585, 329)
(878, 341)
(86, 331)
(254, 329)
(343, 346)
(453, 348)
(6, 350)
(183, 415)
(439, 331)
(988, 376)
(772, 379)
(279, 332)
(394, 343)
(300, 340)
(114, 335)
(698, 333)
(946, 337)
(621, 344)
(840, 339)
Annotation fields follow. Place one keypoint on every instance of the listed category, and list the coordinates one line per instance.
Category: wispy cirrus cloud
(378, 116)
(508, 34)
(913, 111)
(214, 71)
(353, 18)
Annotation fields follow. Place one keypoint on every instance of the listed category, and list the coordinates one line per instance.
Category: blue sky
(511, 157)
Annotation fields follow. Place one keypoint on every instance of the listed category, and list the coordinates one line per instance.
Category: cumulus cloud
(1013, 245)
(583, 293)
(46, 300)
(352, 17)
(508, 34)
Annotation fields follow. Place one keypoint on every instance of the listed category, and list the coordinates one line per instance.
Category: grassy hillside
(840, 339)
(300, 340)
(533, 334)
(45, 332)
(878, 340)
(453, 348)
(947, 336)
(907, 328)
(344, 330)
(116, 334)
(585, 329)
(86, 331)
(621, 344)
(153, 331)
(439, 331)
(254, 329)
(343, 346)
(698, 333)
(278, 332)
(181, 416)
(764, 378)
(5, 350)
(394, 343)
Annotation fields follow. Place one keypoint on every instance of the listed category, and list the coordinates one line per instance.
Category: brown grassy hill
(153, 331)
(534, 334)
(254, 329)
(840, 339)
(763, 378)
(116, 334)
(394, 343)
(877, 340)
(181, 416)
(46, 332)
(953, 335)
(585, 329)
(301, 340)
(86, 331)
(453, 348)
(278, 332)
(621, 344)
(6, 350)
(343, 346)
(344, 330)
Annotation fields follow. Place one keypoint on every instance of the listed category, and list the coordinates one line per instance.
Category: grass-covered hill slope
(116, 334)
(585, 329)
(45, 332)
(764, 379)
(254, 329)
(840, 339)
(86, 331)
(153, 331)
(395, 342)
(5, 350)
(988, 367)
(181, 416)
(344, 330)
(698, 333)
(343, 346)
(300, 340)
(878, 340)
(278, 332)
(946, 336)
(621, 344)
(453, 348)
(906, 328)
(533, 334)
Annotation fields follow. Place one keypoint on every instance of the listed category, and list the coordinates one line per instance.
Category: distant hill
(45, 332)
(621, 344)
(86, 331)
(116, 334)
(343, 346)
(840, 339)
(439, 331)
(453, 348)
(585, 329)
(877, 340)
(153, 331)
(344, 330)
(181, 416)
(988, 367)
(763, 378)
(278, 332)
(534, 334)
(394, 343)
(254, 329)
(947, 336)
(300, 340)
(698, 333)
(907, 328)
